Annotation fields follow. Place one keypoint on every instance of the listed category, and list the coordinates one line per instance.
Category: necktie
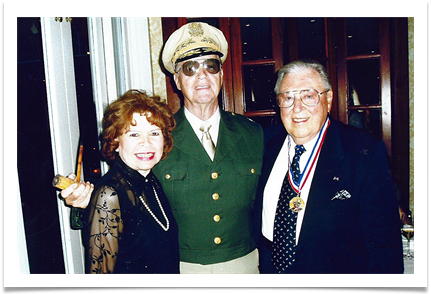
(299, 150)
(206, 140)
(284, 242)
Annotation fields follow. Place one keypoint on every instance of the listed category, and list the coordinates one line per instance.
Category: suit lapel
(186, 141)
(326, 181)
(274, 138)
(228, 139)
(328, 165)
(274, 142)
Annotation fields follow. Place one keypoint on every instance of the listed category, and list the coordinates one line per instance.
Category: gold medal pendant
(296, 204)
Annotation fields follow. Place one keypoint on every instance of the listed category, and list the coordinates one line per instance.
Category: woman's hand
(77, 195)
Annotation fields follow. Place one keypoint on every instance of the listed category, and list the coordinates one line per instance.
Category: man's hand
(77, 195)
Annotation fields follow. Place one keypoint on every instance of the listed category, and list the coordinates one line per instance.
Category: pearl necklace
(153, 215)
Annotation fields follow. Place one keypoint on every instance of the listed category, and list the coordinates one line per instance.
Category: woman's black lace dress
(121, 235)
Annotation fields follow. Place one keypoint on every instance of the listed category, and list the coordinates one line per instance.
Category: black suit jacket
(356, 235)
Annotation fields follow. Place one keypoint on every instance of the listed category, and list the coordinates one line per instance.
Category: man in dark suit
(340, 214)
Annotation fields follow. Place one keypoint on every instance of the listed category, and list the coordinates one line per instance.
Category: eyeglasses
(309, 97)
(190, 68)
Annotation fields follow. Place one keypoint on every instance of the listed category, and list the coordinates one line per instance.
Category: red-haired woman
(130, 226)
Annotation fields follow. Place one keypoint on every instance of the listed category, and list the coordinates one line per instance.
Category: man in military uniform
(212, 199)
(211, 189)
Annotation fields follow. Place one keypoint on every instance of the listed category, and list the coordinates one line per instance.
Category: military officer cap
(192, 40)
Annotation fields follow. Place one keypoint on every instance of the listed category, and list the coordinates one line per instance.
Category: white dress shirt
(275, 181)
(196, 123)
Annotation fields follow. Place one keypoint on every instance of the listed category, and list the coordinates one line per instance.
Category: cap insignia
(195, 30)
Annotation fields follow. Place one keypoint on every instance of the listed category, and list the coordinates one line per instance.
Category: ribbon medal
(296, 204)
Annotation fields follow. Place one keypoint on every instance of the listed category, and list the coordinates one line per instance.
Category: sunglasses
(190, 68)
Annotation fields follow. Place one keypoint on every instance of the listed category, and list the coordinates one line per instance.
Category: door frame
(64, 124)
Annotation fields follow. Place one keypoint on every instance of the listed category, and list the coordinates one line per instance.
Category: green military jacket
(212, 201)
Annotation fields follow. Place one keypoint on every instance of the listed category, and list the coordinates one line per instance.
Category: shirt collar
(196, 123)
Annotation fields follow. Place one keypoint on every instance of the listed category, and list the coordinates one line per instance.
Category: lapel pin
(341, 195)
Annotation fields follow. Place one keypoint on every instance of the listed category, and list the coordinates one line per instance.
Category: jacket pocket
(175, 185)
(245, 173)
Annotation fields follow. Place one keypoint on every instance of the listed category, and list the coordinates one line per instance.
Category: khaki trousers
(247, 264)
